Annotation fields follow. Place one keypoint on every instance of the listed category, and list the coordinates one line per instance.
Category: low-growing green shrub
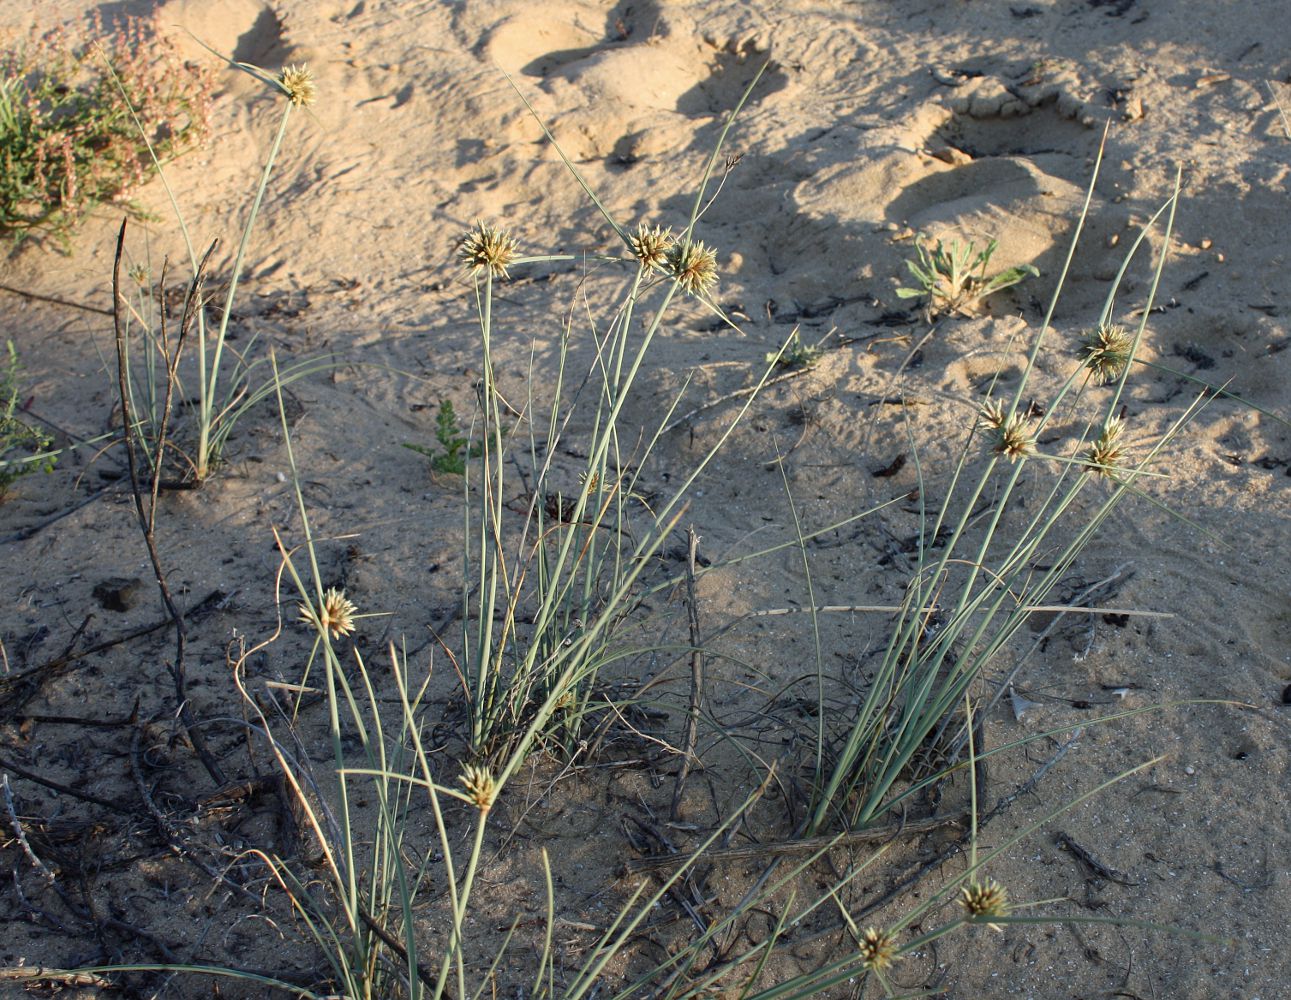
(68, 140)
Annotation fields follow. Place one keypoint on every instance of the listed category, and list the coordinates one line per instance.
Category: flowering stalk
(297, 86)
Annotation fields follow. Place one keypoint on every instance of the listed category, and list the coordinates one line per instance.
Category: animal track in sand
(537, 44)
(669, 71)
(633, 89)
(264, 42)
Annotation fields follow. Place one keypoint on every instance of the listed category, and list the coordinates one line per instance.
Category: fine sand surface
(874, 121)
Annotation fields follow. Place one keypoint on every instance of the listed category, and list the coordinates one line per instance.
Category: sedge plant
(365, 904)
(367, 918)
(547, 593)
(976, 580)
(229, 381)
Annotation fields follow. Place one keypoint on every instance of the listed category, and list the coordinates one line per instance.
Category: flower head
(487, 249)
(693, 265)
(985, 900)
(298, 83)
(1105, 454)
(1014, 442)
(878, 949)
(479, 786)
(651, 246)
(1009, 430)
(1106, 352)
(991, 416)
(336, 614)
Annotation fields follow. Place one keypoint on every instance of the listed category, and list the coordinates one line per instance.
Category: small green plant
(795, 354)
(23, 448)
(454, 448)
(952, 277)
(68, 137)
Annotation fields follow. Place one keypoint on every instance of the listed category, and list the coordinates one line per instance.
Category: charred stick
(21, 834)
(147, 518)
(696, 672)
(22, 772)
(1066, 841)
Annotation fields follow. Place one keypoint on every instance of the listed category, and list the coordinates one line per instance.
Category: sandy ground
(875, 120)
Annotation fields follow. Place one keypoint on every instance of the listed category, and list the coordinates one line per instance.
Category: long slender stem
(209, 376)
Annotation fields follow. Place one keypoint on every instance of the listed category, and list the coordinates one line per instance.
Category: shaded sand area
(875, 121)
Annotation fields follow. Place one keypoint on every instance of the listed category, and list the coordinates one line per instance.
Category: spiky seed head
(985, 901)
(336, 615)
(693, 265)
(991, 417)
(1106, 352)
(1106, 453)
(590, 482)
(487, 249)
(1013, 440)
(139, 275)
(298, 83)
(1009, 430)
(878, 949)
(651, 246)
(479, 786)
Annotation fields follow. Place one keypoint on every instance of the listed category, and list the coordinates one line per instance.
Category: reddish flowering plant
(78, 111)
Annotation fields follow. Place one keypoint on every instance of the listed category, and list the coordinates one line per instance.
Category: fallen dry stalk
(696, 672)
(147, 519)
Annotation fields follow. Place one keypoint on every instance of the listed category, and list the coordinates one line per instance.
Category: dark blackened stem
(146, 520)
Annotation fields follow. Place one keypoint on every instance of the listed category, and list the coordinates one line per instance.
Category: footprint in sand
(995, 162)
(632, 90)
(248, 31)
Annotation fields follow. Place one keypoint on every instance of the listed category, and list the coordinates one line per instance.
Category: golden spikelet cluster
(651, 246)
(693, 265)
(985, 901)
(487, 249)
(991, 416)
(1009, 430)
(298, 84)
(336, 615)
(1106, 352)
(1106, 453)
(480, 787)
(878, 949)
